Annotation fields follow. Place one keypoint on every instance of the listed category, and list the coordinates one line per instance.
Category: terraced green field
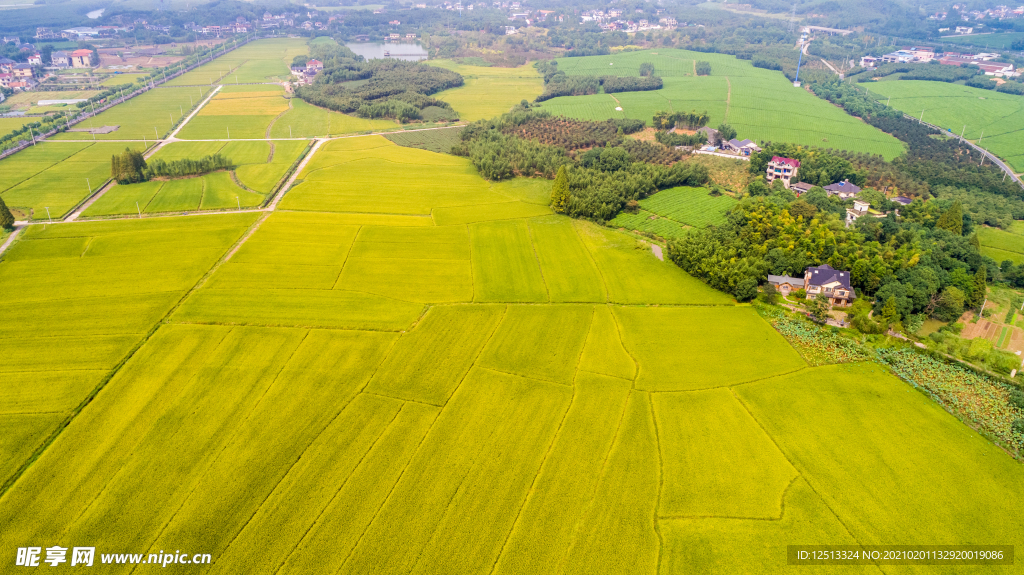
(347, 390)
(994, 118)
(761, 104)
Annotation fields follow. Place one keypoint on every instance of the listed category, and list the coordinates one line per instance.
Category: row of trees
(130, 167)
(687, 120)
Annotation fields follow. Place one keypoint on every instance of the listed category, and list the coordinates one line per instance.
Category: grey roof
(843, 186)
(740, 143)
(59, 54)
(903, 200)
(785, 280)
(824, 274)
(801, 186)
(6, 61)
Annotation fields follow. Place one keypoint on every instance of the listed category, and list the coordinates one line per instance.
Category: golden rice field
(405, 368)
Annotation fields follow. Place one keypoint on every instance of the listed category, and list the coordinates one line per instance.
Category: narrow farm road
(174, 135)
(291, 180)
(18, 227)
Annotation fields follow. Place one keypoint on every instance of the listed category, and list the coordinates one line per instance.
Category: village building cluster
(922, 55)
(787, 171)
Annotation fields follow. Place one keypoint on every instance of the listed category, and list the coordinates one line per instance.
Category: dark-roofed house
(903, 200)
(742, 147)
(801, 188)
(835, 284)
(786, 284)
(6, 64)
(711, 133)
(782, 168)
(843, 189)
(61, 59)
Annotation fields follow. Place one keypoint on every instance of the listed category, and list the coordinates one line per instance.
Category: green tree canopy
(560, 192)
(6, 217)
(953, 219)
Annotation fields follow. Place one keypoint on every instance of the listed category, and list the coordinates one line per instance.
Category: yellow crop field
(404, 369)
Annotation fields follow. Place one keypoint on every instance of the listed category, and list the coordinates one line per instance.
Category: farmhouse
(60, 59)
(868, 62)
(35, 59)
(844, 190)
(785, 284)
(801, 188)
(782, 168)
(858, 210)
(711, 133)
(22, 71)
(6, 64)
(903, 200)
(833, 283)
(81, 59)
(744, 147)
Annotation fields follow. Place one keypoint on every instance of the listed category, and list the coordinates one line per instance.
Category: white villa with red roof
(782, 168)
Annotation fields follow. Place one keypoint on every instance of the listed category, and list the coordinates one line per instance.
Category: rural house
(22, 71)
(782, 168)
(801, 188)
(81, 58)
(844, 190)
(711, 133)
(60, 59)
(35, 59)
(859, 209)
(742, 147)
(833, 283)
(785, 284)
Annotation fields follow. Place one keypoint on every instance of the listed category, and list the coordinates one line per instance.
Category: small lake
(373, 51)
(96, 13)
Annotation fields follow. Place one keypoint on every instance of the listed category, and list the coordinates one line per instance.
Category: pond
(399, 51)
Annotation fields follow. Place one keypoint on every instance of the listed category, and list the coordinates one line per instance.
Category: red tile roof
(790, 161)
(82, 52)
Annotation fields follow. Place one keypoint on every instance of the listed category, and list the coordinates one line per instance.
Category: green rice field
(761, 104)
(262, 61)
(994, 118)
(999, 41)
(1002, 245)
(406, 369)
(147, 116)
(257, 172)
(55, 175)
(489, 91)
(304, 120)
(237, 112)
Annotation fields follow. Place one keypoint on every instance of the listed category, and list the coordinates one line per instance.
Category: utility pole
(962, 130)
(88, 184)
(921, 119)
(138, 209)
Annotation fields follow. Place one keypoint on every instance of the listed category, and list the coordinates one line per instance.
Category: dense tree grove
(931, 71)
(703, 68)
(923, 268)
(565, 132)
(128, 167)
(393, 89)
(557, 83)
(672, 139)
(6, 217)
(186, 167)
(688, 120)
(600, 181)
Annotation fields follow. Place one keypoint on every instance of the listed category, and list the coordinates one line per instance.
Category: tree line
(130, 167)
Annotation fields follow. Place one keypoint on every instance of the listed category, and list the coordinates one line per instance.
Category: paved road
(995, 160)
